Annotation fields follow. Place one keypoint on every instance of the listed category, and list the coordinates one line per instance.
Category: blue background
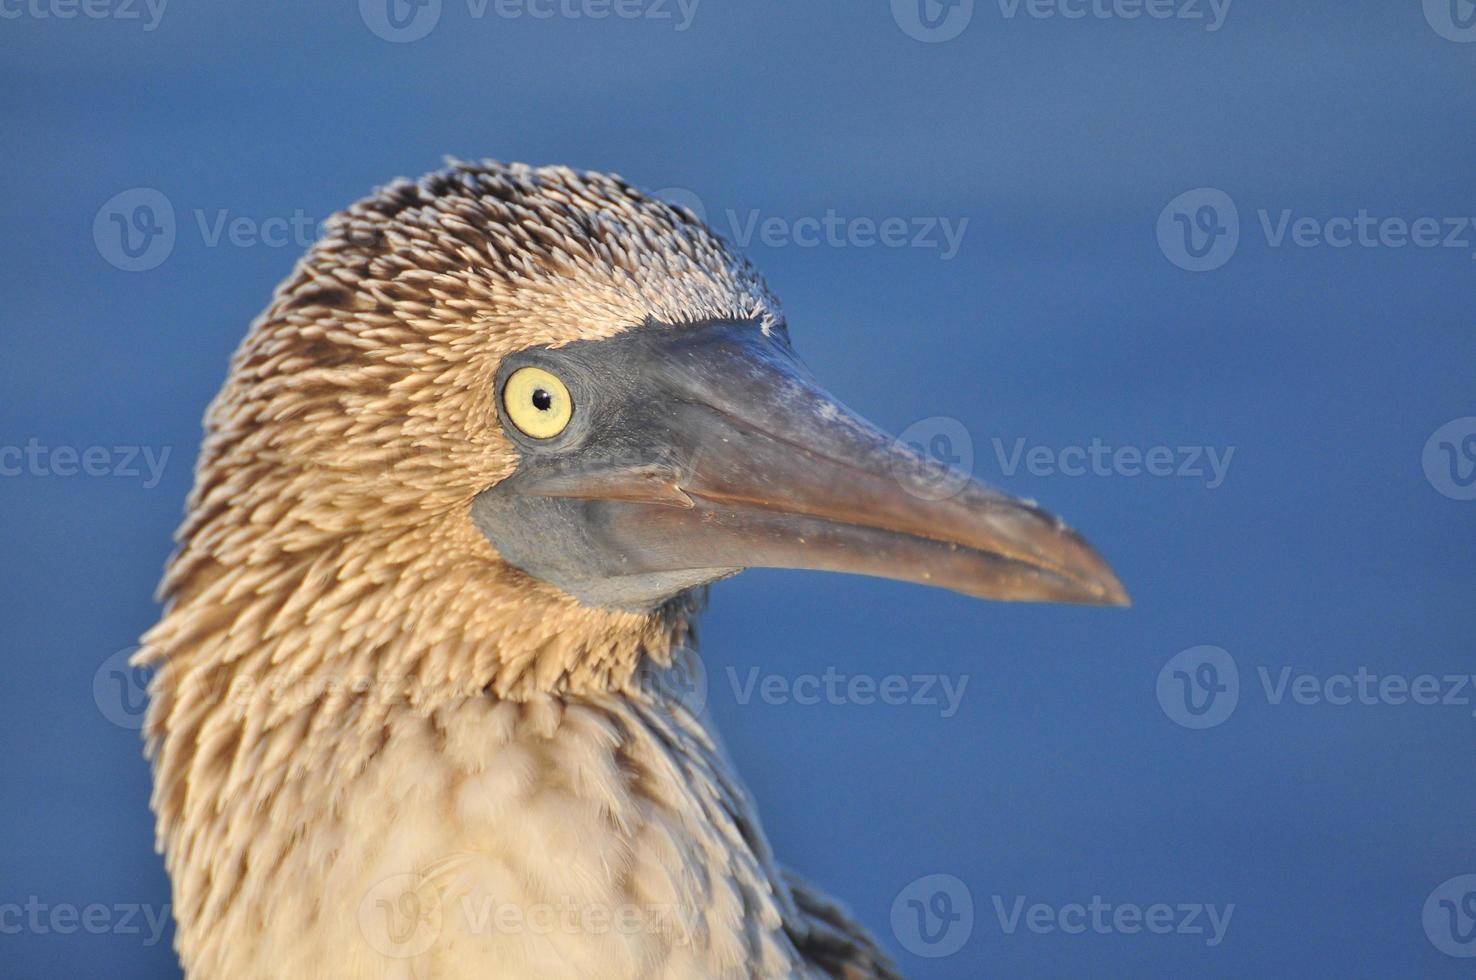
(1060, 320)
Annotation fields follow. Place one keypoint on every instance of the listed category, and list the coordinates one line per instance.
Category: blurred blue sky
(1060, 320)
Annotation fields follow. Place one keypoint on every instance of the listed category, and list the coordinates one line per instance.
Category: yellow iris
(537, 403)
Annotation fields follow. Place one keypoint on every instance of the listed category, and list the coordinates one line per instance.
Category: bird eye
(537, 403)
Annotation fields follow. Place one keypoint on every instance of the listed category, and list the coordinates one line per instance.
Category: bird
(420, 702)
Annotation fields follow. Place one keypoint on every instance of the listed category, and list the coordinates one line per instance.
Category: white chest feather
(597, 838)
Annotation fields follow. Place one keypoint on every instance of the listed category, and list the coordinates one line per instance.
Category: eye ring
(537, 402)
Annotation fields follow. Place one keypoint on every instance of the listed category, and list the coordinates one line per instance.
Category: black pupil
(542, 400)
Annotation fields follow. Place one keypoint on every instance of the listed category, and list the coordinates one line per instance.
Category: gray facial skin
(697, 450)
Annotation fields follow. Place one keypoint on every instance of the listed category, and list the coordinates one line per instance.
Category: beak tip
(1116, 595)
(1106, 588)
(1090, 573)
(1082, 568)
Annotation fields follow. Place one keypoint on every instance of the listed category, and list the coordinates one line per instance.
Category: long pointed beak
(742, 460)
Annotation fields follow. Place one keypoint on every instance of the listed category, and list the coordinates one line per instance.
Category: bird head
(529, 409)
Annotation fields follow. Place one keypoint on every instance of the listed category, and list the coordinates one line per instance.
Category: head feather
(327, 567)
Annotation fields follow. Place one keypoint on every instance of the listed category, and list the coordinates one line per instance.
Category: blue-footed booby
(454, 514)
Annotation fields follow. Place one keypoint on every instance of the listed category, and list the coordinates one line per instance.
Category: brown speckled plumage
(359, 709)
